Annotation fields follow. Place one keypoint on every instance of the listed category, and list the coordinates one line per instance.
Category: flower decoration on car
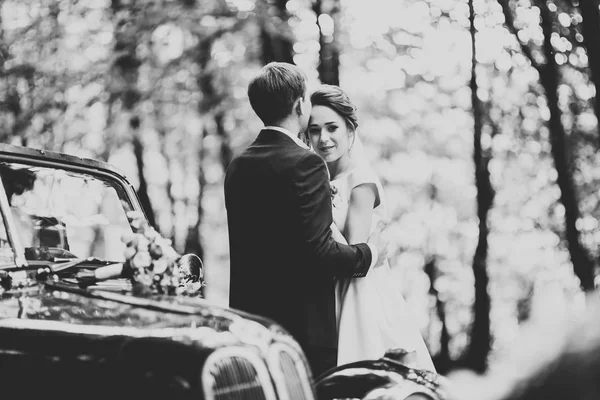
(154, 266)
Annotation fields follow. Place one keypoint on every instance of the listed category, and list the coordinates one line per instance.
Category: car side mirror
(191, 268)
(191, 272)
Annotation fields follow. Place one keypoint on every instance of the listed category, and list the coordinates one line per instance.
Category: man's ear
(298, 106)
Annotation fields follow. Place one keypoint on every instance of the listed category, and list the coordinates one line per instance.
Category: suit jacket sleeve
(311, 183)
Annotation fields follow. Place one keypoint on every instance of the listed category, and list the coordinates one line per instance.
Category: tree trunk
(276, 41)
(591, 40)
(125, 71)
(4, 55)
(126, 64)
(583, 265)
(193, 242)
(164, 138)
(443, 362)
(210, 98)
(138, 150)
(12, 100)
(479, 345)
(582, 262)
(108, 134)
(329, 52)
(226, 154)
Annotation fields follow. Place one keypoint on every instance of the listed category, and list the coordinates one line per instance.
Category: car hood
(57, 306)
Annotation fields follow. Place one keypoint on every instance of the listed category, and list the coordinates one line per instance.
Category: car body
(389, 377)
(64, 336)
(64, 216)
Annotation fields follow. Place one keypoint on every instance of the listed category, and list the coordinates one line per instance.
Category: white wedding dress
(372, 315)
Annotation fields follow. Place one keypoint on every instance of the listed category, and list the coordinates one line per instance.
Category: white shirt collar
(289, 134)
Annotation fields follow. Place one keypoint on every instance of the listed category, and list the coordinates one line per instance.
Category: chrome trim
(228, 352)
(400, 391)
(12, 352)
(64, 327)
(392, 376)
(278, 375)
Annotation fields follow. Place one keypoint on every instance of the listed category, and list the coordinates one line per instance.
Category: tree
(10, 104)
(549, 73)
(443, 361)
(138, 151)
(193, 242)
(213, 109)
(591, 40)
(275, 34)
(327, 12)
(32, 91)
(479, 346)
(549, 78)
(125, 73)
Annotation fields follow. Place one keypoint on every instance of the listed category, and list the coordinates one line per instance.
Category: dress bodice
(342, 186)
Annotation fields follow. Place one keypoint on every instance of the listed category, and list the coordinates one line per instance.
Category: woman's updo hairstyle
(335, 98)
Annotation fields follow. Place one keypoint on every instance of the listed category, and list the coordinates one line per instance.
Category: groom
(278, 198)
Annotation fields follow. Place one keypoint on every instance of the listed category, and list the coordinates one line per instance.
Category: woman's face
(328, 133)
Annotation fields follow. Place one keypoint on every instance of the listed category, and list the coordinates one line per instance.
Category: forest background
(479, 115)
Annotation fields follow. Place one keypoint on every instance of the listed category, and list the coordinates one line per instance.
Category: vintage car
(73, 328)
(87, 313)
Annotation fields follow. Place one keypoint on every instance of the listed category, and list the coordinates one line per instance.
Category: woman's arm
(360, 213)
(325, 255)
(337, 235)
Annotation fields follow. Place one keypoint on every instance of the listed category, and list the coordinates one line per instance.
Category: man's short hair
(274, 90)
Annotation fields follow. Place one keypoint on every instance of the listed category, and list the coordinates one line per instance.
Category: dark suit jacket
(283, 257)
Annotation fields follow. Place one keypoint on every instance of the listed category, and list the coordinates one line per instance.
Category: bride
(372, 315)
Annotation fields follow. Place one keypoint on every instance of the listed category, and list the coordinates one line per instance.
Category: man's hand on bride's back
(380, 239)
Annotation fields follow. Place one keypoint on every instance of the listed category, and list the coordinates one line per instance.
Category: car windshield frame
(46, 159)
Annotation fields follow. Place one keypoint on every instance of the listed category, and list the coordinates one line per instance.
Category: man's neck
(290, 125)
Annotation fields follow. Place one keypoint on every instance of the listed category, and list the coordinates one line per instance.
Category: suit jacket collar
(280, 135)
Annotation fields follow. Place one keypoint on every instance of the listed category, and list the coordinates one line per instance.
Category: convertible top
(11, 153)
